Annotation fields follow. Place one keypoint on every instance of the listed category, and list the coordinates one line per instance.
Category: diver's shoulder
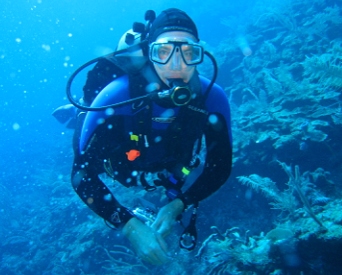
(216, 90)
(120, 83)
(114, 92)
(206, 82)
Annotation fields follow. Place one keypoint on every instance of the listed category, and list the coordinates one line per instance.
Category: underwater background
(280, 212)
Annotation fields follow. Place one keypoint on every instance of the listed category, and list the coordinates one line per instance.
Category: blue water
(43, 42)
(45, 228)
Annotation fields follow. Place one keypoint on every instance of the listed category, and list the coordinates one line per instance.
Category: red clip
(132, 154)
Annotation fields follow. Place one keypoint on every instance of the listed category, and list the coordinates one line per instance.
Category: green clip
(185, 171)
(134, 137)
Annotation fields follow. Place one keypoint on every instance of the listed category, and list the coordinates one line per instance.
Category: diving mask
(161, 52)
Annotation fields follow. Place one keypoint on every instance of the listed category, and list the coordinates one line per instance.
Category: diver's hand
(167, 216)
(148, 244)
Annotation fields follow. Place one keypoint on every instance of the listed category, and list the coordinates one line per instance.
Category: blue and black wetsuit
(150, 136)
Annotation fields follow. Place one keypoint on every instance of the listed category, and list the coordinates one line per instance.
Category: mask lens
(161, 52)
(192, 54)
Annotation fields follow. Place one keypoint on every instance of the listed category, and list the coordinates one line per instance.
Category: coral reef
(282, 204)
(291, 88)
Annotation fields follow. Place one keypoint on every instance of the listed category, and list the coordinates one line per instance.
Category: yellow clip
(134, 137)
(185, 171)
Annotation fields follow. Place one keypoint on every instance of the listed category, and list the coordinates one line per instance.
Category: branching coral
(320, 22)
(121, 261)
(225, 252)
(296, 182)
(326, 68)
(286, 21)
(285, 200)
(290, 76)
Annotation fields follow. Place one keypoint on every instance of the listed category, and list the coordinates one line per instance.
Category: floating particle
(100, 121)
(158, 139)
(109, 111)
(107, 197)
(244, 46)
(213, 119)
(16, 126)
(46, 47)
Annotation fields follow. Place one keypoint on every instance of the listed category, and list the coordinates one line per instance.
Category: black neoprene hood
(172, 20)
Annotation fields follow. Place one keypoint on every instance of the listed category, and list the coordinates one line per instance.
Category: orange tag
(132, 154)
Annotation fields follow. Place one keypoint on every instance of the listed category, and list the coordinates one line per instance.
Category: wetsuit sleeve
(93, 192)
(218, 160)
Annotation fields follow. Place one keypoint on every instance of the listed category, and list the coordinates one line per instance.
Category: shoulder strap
(137, 84)
(99, 77)
(189, 125)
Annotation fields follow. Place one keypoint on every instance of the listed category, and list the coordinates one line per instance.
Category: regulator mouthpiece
(180, 94)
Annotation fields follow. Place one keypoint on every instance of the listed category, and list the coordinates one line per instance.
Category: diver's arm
(217, 166)
(94, 193)
(218, 160)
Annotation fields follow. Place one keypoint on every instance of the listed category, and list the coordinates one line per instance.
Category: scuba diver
(157, 117)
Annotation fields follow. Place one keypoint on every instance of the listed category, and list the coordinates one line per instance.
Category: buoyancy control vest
(150, 145)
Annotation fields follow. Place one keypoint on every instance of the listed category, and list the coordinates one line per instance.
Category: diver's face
(175, 67)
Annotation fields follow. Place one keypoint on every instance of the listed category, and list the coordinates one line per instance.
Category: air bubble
(213, 119)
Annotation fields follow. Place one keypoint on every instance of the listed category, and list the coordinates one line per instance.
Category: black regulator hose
(71, 79)
(102, 108)
(213, 79)
(150, 95)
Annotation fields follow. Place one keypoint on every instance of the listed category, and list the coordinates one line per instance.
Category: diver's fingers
(152, 259)
(157, 256)
(156, 224)
(165, 227)
(160, 257)
(162, 243)
(163, 230)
